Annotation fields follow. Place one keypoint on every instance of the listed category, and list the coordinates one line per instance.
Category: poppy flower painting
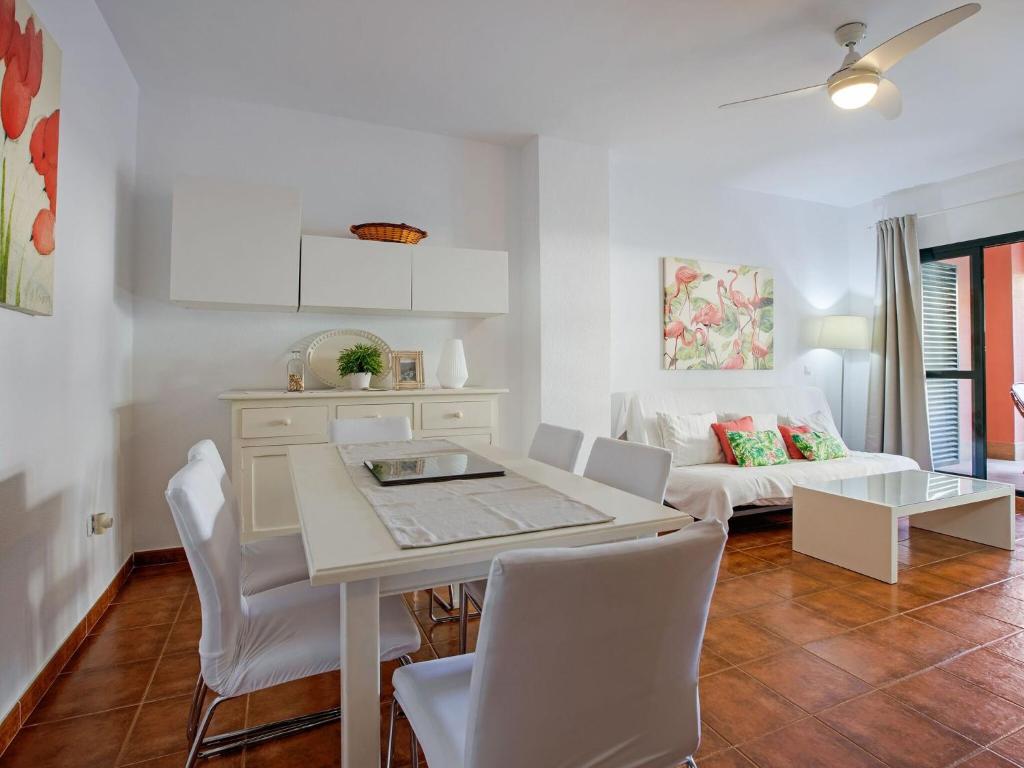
(717, 316)
(30, 119)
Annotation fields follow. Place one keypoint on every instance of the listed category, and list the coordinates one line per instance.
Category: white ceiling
(641, 76)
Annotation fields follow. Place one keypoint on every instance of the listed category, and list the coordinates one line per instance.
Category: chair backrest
(557, 446)
(632, 467)
(556, 682)
(379, 430)
(207, 450)
(208, 527)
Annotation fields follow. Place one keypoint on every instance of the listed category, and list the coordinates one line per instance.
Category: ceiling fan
(859, 82)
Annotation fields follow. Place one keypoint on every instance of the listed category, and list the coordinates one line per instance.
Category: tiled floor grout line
(149, 683)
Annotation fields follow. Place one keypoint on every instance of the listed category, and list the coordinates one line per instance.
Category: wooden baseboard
(159, 556)
(1006, 451)
(13, 720)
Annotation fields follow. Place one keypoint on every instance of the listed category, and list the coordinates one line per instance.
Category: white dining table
(346, 544)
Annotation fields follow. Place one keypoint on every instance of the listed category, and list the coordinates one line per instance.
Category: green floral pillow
(758, 449)
(819, 446)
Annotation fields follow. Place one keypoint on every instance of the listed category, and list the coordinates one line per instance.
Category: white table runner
(428, 514)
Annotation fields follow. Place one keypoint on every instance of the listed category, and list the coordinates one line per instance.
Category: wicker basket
(390, 233)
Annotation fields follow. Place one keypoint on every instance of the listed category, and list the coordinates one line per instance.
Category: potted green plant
(359, 363)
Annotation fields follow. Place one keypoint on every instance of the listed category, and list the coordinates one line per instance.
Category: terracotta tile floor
(805, 664)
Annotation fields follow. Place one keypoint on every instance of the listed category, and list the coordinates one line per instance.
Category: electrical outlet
(100, 523)
(807, 370)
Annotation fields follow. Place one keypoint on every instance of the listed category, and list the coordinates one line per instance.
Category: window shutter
(941, 328)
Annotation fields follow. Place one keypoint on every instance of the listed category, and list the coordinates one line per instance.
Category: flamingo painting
(717, 316)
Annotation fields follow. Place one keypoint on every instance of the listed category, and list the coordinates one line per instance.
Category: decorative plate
(322, 357)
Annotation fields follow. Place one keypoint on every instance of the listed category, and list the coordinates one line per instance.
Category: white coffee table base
(862, 535)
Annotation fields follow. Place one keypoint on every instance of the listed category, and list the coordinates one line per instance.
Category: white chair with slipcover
(266, 563)
(557, 446)
(251, 642)
(553, 682)
(639, 469)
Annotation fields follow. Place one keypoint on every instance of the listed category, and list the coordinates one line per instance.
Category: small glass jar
(296, 377)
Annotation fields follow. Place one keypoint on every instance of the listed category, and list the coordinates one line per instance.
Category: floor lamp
(842, 333)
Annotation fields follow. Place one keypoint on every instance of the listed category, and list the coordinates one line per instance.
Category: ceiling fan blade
(794, 92)
(887, 101)
(895, 48)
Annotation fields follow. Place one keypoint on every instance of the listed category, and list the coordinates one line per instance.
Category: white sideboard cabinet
(265, 422)
(235, 245)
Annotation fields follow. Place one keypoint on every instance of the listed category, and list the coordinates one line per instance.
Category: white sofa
(717, 490)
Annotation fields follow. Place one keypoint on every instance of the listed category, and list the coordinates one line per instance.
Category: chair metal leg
(391, 732)
(201, 746)
(197, 709)
(448, 605)
(197, 740)
(414, 749)
(463, 618)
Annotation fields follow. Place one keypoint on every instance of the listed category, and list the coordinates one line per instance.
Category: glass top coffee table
(853, 523)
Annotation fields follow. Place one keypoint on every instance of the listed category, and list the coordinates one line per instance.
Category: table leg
(360, 674)
(986, 522)
(857, 536)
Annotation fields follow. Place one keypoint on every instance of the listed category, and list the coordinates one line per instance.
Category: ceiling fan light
(853, 90)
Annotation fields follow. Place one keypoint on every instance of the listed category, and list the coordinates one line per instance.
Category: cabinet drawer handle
(373, 416)
(457, 415)
(284, 422)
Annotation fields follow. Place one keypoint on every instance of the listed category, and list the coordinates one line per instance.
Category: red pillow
(787, 436)
(746, 424)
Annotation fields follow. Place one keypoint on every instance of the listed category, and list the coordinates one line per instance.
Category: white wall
(66, 383)
(464, 193)
(657, 212)
(977, 205)
(565, 276)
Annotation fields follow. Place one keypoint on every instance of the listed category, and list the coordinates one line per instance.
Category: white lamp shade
(844, 332)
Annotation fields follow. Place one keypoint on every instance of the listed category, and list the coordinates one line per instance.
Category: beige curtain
(897, 401)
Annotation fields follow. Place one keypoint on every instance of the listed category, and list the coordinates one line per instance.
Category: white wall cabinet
(265, 422)
(459, 281)
(343, 273)
(235, 245)
(240, 246)
(348, 275)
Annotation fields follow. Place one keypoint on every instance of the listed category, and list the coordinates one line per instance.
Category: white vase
(359, 380)
(451, 371)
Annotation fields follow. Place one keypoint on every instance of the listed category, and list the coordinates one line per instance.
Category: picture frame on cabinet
(407, 369)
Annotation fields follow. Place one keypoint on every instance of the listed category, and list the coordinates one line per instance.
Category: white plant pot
(359, 380)
(451, 371)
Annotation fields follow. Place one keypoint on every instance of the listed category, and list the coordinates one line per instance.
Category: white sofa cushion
(690, 438)
(819, 421)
